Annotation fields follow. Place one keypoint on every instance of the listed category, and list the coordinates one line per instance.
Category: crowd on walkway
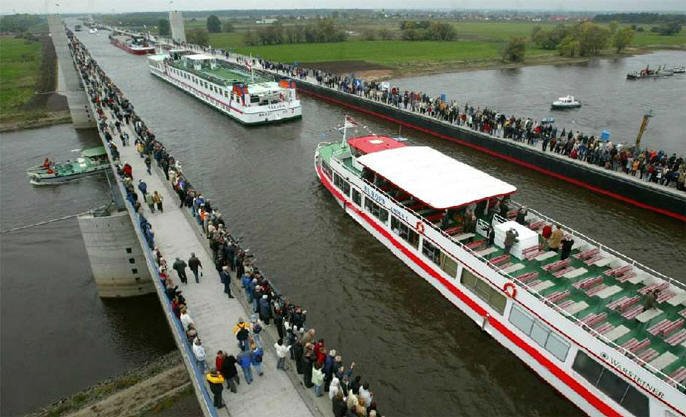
(656, 166)
(321, 367)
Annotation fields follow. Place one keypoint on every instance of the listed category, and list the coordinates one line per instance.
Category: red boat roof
(371, 144)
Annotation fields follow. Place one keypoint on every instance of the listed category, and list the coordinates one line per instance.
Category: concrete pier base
(116, 258)
(71, 86)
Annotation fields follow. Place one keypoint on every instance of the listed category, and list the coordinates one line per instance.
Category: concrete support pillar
(178, 32)
(117, 260)
(76, 96)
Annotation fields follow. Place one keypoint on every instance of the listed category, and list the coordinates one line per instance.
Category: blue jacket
(256, 356)
(244, 359)
(245, 281)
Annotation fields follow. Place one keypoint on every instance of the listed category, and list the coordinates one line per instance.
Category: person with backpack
(230, 372)
(242, 332)
(256, 356)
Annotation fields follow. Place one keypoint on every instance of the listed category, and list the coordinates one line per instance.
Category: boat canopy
(371, 144)
(434, 178)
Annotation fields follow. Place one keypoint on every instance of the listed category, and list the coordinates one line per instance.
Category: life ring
(420, 227)
(510, 290)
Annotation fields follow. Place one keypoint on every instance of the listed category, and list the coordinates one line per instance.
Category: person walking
(150, 202)
(143, 187)
(148, 164)
(555, 239)
(242, 332)
(244, 361)
(157, 198)
(256, 356)
(216, 381)
(281, 352)
(230, 372)
(225, 278)
(194, 263)
(199, 353)
(180, 268)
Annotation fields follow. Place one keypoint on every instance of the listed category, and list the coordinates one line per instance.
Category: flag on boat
(350, 122)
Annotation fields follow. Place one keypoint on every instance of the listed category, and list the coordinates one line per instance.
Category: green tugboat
(92, 160)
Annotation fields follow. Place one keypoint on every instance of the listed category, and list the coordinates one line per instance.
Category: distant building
(178, 32)
(266, 21)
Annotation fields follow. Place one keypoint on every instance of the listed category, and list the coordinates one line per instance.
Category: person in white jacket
(199, 352)
(281, 352)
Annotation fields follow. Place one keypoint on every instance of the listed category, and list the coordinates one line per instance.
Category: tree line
(640, 18)
(425, 30)
(324, 30)
(583, 39)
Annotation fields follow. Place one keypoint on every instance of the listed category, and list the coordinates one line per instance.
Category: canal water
(58, 336)
(609, 100)
(420, 354)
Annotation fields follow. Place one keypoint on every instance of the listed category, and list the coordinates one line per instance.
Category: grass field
(478, 43)
(20, 62)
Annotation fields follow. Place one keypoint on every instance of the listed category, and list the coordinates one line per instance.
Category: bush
(515, 50)
(214, 25)
(198, 37)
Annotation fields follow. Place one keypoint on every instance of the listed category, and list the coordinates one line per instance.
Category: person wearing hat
(265, 309)
(216, 381)
(180, 268)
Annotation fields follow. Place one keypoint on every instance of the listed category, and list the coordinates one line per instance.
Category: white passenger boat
(566, 102)
(578, 322)
(251, 99)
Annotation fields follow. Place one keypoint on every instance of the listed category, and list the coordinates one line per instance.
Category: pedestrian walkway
(213, 313)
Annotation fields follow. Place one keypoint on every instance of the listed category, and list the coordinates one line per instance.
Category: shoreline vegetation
(28, 70)
(147, 390)
(478, 45)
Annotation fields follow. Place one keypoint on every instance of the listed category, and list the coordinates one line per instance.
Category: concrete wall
(71, 85)
(117, 261)
(178, 32)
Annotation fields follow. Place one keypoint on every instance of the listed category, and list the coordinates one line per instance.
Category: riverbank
(28, 100)
(376, 72)
(146, 390)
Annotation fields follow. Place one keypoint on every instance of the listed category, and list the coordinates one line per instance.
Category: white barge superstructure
(228, 87)
(581, 323)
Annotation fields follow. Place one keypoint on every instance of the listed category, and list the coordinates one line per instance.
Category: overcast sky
(120, 6)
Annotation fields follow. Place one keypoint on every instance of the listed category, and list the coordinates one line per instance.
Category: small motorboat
(567, 102)
(91, 161)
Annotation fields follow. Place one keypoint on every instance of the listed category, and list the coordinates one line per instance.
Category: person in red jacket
(128, 170)
(218, 360)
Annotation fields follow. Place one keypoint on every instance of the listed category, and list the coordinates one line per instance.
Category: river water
(609, 100)
(58, 336)
(420, 354)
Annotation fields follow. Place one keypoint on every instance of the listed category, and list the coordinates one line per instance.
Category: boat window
(521, 320)
(404, 231)
(254, 99)
(431, 252)
(483, 290)
(327, 169)
(539, 332)
(375, 210)
(357, 197)
(557, 346)
(341, 184)
(612, 385)
(448, 264)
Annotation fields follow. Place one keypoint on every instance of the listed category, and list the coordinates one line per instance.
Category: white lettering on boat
(632, 375)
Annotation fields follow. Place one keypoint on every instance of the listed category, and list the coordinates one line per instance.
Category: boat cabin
(446, 192)
(199, 62)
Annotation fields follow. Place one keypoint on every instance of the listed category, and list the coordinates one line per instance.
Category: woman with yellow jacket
(216, 381)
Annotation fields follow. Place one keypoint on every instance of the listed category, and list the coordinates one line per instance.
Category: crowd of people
(656, 166)
(322, 368)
